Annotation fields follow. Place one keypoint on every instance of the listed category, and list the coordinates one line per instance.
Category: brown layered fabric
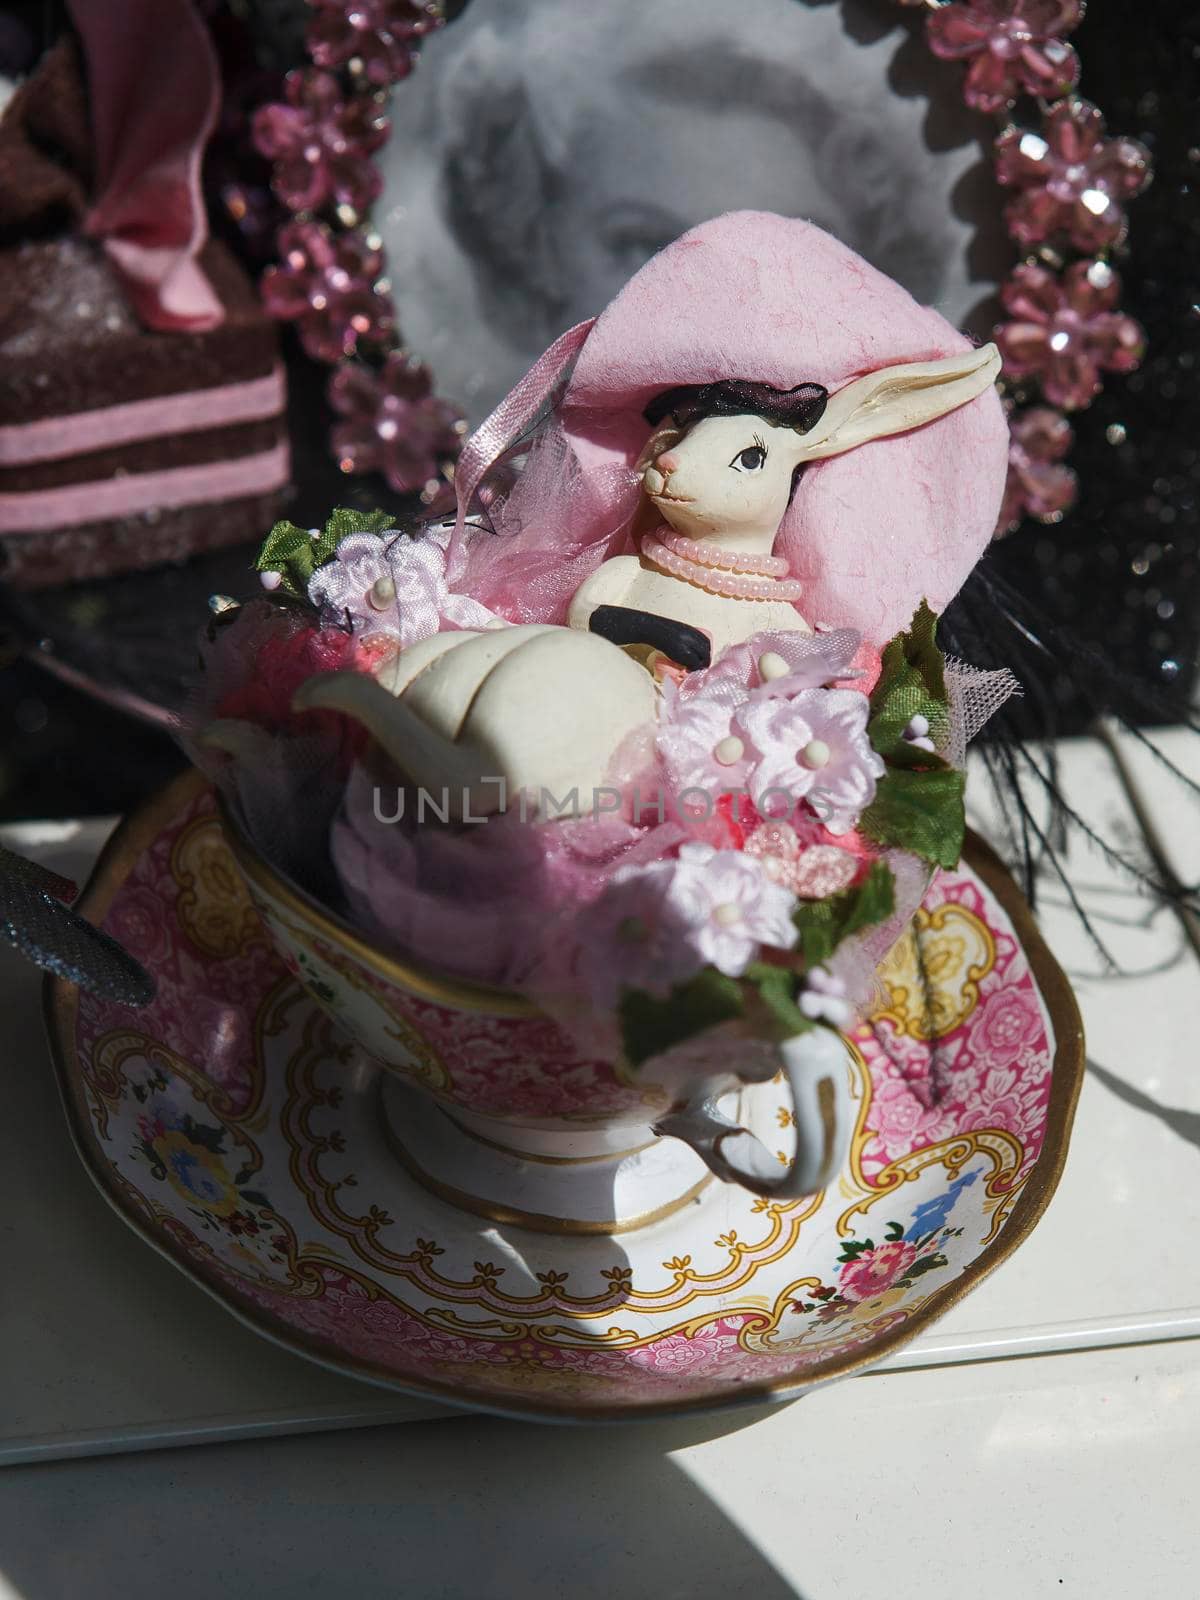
(87, 485)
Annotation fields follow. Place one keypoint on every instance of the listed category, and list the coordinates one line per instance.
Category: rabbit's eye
(751, 459)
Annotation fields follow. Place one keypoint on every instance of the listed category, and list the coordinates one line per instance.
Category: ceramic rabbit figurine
(721, 469)
(484, 715)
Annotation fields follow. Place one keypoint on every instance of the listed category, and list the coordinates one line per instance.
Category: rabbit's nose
(666, 462)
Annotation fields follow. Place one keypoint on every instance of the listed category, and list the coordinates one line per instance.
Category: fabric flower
(326, 283)
(1038, 485)
(657, 925)
(321, 144)
(357, 585)
(814, 748)
(1065, 331)
(1072, 179)
(394, 423)
(697, 747)
(1014, 47)
(731, 906)
(793, 661)
(395, 586)
(381, 34)
(873, 1271)
(634, 936)
(823, 998)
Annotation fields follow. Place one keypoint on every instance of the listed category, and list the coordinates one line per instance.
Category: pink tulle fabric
(751, 295)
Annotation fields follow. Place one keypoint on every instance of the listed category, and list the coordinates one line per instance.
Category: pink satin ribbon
(154, 90)
(75, 504)
(81, 433)
(512, 416)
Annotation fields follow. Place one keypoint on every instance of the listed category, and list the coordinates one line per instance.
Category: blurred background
(90, 672)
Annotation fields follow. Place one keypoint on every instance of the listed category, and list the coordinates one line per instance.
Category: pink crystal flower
(814, 748)
(1072, 179)
(321, 144)
(326, 284)
(382, 34)
(1039, 485)
(393, 422)
(1065, 331)
(1014, 47)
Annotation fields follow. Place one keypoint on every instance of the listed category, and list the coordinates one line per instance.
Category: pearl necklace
(720, 571)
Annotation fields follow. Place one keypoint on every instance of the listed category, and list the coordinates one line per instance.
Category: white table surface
(978, 1472)
(1056, 1476)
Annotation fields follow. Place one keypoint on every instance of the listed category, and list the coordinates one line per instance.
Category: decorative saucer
(238, 1133)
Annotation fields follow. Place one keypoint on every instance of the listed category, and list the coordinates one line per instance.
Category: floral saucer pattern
(234, 1128)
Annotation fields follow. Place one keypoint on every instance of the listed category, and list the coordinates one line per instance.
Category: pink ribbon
(512, 416)
(154, 89)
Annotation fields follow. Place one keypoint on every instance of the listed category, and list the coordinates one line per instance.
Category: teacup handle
(815, 1066)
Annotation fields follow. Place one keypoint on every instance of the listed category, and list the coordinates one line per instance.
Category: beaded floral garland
(1069, 184)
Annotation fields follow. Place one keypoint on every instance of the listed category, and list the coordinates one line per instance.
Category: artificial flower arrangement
(627, 737)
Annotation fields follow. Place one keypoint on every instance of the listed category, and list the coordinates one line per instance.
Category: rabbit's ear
(665, 436)
(897, 399)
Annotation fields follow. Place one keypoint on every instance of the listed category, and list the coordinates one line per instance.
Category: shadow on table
(1179, 1120)
(439, 1510)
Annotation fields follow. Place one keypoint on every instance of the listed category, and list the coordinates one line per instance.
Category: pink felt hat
(774, 300)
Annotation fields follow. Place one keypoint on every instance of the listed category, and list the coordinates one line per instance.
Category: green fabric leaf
(287, 550)
(823, 924)
(919, 811)
(345, 520)
(649, 1026)
(912, 679)
(296, 555)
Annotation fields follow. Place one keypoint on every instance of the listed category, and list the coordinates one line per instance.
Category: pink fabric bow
(154, 89)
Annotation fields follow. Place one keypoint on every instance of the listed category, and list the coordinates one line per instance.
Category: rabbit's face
(725, 475)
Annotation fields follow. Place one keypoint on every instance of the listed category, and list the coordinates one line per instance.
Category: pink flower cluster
(327, 283)
(1014, 47)
(779, 734)
(1040, 484)
(1070, 185)
(392, 422)
(761, 724)
(657, 925)
(1070, 180)
(375, 37)
(321, 144)
(1065, 330)
(329, 279)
